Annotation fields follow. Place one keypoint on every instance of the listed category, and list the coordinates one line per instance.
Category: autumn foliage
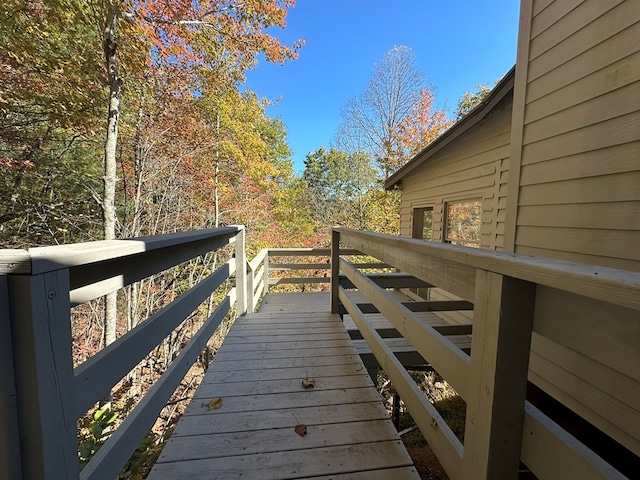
(194, 149)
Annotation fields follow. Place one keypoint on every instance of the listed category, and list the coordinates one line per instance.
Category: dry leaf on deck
(301, 429)
(214, 403)
(309, 382)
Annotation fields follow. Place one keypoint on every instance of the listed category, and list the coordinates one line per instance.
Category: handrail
(620, 287)
(504, 289)
(42, 284)
(259, 268)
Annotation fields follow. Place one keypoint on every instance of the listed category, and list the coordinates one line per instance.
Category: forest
(126, 118)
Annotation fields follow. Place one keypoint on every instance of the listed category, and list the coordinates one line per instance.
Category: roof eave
(459, 128)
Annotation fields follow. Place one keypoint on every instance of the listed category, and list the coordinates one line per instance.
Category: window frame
(417, 223)
(445, 223)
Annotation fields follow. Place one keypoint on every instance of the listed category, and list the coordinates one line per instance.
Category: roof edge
(479, 112)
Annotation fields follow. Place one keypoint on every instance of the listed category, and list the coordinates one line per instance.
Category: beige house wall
(569, 152)
(477, 167)
(574, 194)
(578, 152)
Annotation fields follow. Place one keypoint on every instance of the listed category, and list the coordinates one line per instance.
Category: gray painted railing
(42, 395)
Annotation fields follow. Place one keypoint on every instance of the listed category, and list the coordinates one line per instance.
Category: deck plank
(219, 376)
(263, 387)
(311, 462)
(280, 418)
(258, 373)
(232, 444)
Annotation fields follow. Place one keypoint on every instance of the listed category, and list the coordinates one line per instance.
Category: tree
(336, 190)
(394, 113)
(469, 100)
(391, 120)
(188, 41)
(51, 89)
(423, 125)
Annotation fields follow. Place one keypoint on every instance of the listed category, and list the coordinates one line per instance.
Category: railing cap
(45, 259)
(621, 287)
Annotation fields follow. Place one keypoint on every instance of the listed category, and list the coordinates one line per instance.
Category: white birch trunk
(108, 202)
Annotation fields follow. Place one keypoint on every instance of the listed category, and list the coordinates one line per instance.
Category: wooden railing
(265, 271)
(501, 427)
(43, 396)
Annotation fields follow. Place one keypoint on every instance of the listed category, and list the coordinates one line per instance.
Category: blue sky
(457, 45)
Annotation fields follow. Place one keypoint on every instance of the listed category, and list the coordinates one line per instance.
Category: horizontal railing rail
(265, 271)
(38, 289)
(506, 291)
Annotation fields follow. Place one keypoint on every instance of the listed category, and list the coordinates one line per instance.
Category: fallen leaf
(214, 404)
(309, 382)
(301, 429)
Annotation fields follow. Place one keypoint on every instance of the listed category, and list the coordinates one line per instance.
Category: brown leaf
(309, 382)
(301, 429)
(214, 403)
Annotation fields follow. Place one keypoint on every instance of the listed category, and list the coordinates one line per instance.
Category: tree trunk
(108, 201)
(215, 175)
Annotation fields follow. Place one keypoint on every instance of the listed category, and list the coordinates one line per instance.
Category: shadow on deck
(258, 374)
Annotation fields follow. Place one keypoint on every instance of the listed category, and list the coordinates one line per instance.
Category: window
(422, 229)
(463, 221)
(423, 223)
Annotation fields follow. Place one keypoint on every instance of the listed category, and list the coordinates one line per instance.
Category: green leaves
(93, 435)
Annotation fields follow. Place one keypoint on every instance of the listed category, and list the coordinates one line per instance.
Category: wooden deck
(258, 375)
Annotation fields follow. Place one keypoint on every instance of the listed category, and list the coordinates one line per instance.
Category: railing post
(41, 329)
(251, 295)
(241, 273)
(500, 345)
(10, 466)
(335, 270)
(265, 275)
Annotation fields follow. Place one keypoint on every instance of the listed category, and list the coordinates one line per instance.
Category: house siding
(575, 195)
(476, 168)
(579, 186)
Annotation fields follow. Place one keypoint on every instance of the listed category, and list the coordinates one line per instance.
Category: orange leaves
(197, 32)
(15, 162)
(424, 124)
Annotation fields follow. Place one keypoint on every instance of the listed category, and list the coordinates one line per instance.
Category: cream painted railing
(501, 427)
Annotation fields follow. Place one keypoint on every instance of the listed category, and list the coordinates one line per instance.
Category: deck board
(258, 373)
